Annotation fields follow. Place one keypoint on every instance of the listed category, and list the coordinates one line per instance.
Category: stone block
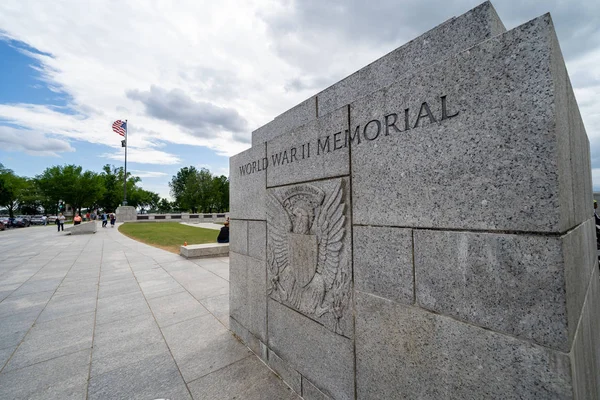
(430, 356)
(82, 229)
(327, 359)
(585, 355)
(206, 250)
(126, 213)
(257, 239)
(238, 236)
(283, 123)
(248, 295)
(316, 150)
(247, 184)
(508, 283)
(309, 254)
(425, 139)
(443, 41)
(383, 262)
(282, 368)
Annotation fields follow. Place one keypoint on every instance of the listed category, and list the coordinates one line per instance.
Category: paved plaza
(105, 317)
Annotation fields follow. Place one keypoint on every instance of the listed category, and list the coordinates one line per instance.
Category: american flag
(120, 127)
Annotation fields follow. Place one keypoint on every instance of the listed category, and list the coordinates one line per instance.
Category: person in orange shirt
(77, 219)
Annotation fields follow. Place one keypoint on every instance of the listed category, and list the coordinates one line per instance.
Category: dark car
(21, 222)
(2, 226)
(7, 221)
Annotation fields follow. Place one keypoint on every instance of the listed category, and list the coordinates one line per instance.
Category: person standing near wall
(113, 219)
(224, 234)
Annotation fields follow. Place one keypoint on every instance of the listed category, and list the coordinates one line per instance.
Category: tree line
(58, 185)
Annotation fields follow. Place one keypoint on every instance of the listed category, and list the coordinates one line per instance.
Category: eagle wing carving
(330, 232)
(278, 228)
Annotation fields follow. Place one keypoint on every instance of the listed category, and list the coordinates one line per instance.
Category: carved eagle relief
(305, 232)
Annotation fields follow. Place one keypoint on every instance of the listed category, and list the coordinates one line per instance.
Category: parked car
(2, 226)
(21, 222)
(37, 220)
(52, 219)
(7, 221)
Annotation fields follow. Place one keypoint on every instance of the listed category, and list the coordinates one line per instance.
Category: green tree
(179, 184)
(12, 189)
(72, 185)
(113, 188)
(32, 200)
(221, 193)
(164, 206)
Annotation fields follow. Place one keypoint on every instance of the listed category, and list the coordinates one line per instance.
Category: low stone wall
(206, 250)
(182, 217)
(83, 228)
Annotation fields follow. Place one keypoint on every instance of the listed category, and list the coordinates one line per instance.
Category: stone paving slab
(105, 317)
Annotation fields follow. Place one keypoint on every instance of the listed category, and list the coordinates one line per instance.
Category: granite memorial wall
(423, 228)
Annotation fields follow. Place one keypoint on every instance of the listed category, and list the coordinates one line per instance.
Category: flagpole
(125, 177)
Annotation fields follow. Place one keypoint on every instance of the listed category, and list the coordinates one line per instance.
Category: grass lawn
(168, 235)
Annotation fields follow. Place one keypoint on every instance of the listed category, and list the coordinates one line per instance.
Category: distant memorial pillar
(423, 229)
(126, 213)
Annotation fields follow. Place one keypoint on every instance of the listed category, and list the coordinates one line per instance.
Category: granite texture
(441, 42)
(319, 149)
(508, 283)
(383, 262)
(245, 379)
(580, 260)
(327, 359)
(309, 251)
(247, 190)
(248, 294)
(573, 146)
(311, 392)
(292, 118)
(465, 171)
(257, 240)
(251, 341)
(238, 236)
(435, 357)
(585, 355)
(289, 375)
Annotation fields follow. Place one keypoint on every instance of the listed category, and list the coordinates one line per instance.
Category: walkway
(105, 317)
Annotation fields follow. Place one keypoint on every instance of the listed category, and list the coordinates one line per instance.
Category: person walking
(60, 222)
(104, 219)
(113, 219)
(88, 216)
(77, 219)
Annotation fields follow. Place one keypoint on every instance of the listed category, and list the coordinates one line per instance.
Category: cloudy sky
(194, 78)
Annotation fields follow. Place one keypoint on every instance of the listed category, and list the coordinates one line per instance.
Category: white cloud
(148, 174)
(144, 156)
(31, 142)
